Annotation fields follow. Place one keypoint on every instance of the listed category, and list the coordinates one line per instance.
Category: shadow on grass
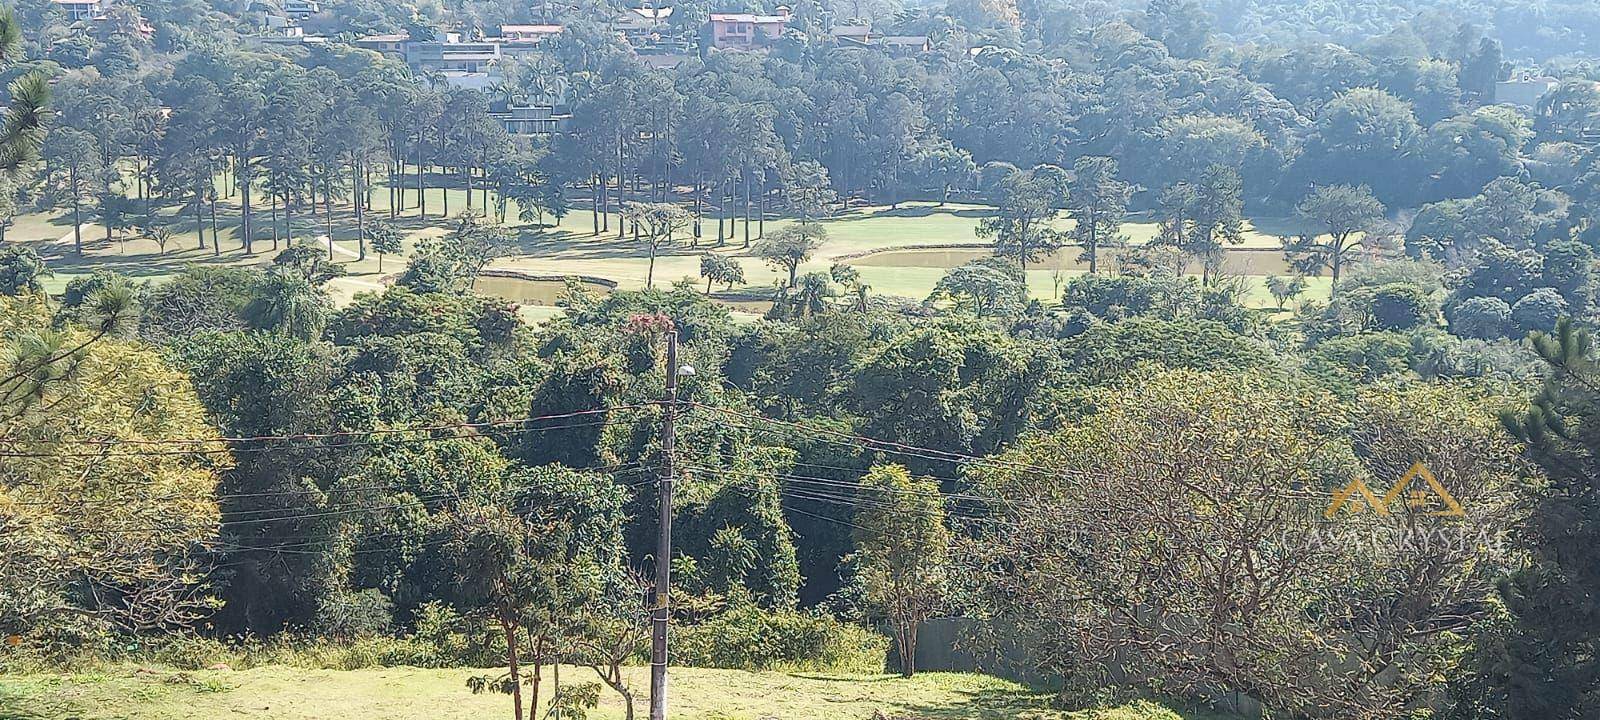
(1024, 704)
(842, 678)
(985, 704)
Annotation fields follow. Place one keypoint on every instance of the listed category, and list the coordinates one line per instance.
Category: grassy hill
(285, 693)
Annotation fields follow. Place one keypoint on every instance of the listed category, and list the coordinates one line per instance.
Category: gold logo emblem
(1357, 497)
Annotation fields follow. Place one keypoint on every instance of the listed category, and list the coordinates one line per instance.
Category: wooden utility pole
(661, 610)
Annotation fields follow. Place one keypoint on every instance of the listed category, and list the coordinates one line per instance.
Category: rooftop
(530, 29)
(749, 18)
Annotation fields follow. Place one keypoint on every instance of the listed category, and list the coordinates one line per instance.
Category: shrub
(1120, 296)
(1400, 306)
(187, 651)
(749, 638)
(1360, 358)
(366, 613)
(1481, 318)
(1538, 310)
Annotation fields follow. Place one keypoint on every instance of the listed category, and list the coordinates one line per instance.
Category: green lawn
(573, 248)
(278, 692)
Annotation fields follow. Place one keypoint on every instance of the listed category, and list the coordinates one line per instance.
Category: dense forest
(1131, 487)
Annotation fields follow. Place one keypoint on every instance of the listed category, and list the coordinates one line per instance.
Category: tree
(1483, 318)
(1284, 289)
(1097, 203)
(72, 167)
(537, 564)
(1025, 204)
(22, 128)
(808, 189)
(659, 224)
(161, 233)
(21, 268)
(1181, 25)
(1343, 213)
(289, 304)
(384, 239)
(947, 167)
(902, 552)
(452, 263)
(9, 186)
(1357, 131)
(850, 277)
(1273, 591)
(1537, 664)
(307, 262)
(1201, 218)
(985, 288)
(720, 269)
(489, 551)
(614, 629)
(787, 248)
(810, 295)
(1539, 311)
(132, 564)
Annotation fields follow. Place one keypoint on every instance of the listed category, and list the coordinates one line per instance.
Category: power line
(334, 490)
(373, 444)
(350, 433)
(301, 514)
(924, 453)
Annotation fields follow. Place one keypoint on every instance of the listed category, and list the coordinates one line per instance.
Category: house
(528, 33)
(745, 31)
(481, 80)
(281, 30)
(643, 27)
(528, 120)
(518, 40)
(122, 20)
(657, 60)
(392, 44)
(851, 34)
(1523, 91)
(447, 53)
(906, 45)
(78, 9)
(301, 9)
(862, 36)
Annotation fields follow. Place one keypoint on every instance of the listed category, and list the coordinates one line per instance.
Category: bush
(1360, 358)
(1481, 318)
(749, 638)
(365, 613)
(188, 651)
(1400, 306)
(1538, 310)
(1117, 297)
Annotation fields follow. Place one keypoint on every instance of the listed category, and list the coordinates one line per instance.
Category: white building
(1523, 91)
(78, 9)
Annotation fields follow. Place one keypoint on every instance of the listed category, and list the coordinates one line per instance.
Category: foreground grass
(416, 694)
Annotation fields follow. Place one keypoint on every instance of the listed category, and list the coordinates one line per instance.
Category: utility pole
(660, 611)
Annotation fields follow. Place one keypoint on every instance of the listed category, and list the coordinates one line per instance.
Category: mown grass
(570, 248)
(279, 692)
